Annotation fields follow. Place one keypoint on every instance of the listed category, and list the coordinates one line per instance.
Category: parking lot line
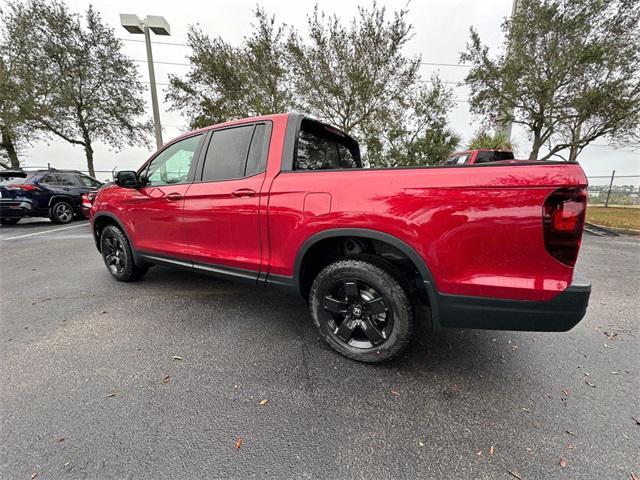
(45, 232)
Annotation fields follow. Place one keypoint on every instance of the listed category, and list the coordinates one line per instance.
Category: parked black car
(56, 194)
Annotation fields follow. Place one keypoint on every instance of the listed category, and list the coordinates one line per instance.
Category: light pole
(159, 26)
(507, 125)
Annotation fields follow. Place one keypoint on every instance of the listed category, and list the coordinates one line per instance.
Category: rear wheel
(9, 221)
(118, 256)
(61, 212)
(362, 309)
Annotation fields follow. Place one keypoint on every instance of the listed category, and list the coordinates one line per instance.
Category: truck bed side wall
(478, 228)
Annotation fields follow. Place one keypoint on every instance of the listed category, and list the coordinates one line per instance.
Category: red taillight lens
(23, 186)
(563, 221)
(88, 198)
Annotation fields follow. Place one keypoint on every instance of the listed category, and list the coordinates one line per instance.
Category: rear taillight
(27, 187)
(88, 198)
(563, 221)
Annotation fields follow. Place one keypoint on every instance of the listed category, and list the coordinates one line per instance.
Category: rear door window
(227, 154)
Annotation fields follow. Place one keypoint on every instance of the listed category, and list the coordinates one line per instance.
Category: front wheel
(118, 256)
(362, 309)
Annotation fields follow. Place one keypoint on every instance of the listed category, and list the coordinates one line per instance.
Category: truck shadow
(457, 353)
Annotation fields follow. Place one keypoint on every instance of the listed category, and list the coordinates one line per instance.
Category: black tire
(118, 256)
(61, 212)
(352, 295)
(9, 221)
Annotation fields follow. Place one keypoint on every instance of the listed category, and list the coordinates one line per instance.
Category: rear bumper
(10, 208)
(560, 314)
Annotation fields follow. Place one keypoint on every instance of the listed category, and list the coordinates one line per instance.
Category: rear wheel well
(326, 251)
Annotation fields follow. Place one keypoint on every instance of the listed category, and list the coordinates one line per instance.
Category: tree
(16, 85)
(228, 82)
(357, 77)
(571, 74)
(416, 135)
(85, 88)
(485, 141)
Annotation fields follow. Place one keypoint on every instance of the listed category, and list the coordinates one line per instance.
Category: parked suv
(56, 194)
(283, 200)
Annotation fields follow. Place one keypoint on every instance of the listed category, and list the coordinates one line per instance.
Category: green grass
(616, 217)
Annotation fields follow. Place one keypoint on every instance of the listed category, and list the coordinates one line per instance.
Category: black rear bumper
(560, 314)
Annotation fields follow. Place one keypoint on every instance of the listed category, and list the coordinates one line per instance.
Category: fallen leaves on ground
(633, 476)
(263, 402)
(239, 443)
(176, 357)
(34, 475)
(563, 463)
(526, 409)
(636, 419)
(112, 395)
(491, 450)
(590, 384)
(566, 392)
(165, 379)
(515, 474)
(570, 432)
(61, 439)
(420, 444)
(393, 392)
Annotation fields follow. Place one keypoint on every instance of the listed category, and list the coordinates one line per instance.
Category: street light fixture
(159, 26)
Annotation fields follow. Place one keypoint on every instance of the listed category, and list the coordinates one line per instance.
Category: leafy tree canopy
(571, 73)
(82, 88)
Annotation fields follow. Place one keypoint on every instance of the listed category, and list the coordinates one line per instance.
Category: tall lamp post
(159, 26)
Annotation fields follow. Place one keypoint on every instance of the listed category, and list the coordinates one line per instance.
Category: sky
(441, 31)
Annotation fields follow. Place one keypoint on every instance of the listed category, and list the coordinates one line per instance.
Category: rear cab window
(321, 147)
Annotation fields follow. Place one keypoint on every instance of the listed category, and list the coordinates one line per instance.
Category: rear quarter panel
(479, 229)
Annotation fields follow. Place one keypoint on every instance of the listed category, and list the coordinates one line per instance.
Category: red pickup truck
(283, 200)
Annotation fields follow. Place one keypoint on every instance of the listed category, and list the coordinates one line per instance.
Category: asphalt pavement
(186, 376)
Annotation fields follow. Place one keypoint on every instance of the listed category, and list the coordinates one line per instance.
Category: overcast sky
(440, 34)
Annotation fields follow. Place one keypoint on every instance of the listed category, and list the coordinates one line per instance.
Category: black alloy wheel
(118, 256)
(61, 212)
(114, 256)
(357, 314)
(362, 308)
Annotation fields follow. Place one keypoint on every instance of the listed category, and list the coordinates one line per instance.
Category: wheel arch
(61, 196)
(101, 220)
(427, 284)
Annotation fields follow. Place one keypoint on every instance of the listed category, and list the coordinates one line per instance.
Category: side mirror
(127, 179)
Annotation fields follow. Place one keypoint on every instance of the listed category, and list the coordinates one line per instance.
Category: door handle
(174, 196)
(243, 192)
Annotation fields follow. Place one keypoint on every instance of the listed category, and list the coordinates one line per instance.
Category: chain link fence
(614, 190)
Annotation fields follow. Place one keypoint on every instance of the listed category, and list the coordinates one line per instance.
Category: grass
(616, 217)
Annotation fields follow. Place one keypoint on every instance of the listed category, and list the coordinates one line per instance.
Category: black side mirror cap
(127, 179)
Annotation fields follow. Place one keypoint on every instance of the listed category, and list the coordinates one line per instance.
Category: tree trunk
(535, 148)
(575, 138)
(7, 143)
(89, 152)
(573, 153)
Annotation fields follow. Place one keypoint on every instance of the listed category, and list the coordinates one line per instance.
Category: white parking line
(45, 232)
